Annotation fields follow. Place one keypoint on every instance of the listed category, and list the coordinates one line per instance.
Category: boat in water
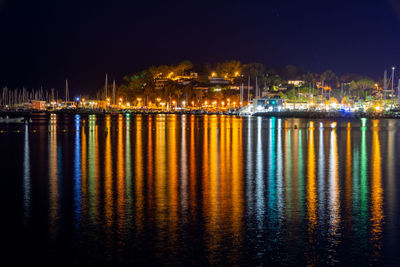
(11, 120)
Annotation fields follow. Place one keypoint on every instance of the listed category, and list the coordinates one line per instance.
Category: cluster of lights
(236, 74)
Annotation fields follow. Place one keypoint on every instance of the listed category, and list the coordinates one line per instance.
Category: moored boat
(11, 120)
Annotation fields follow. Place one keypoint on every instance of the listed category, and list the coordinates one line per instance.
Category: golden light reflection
(210, 189)
(348, 164)
(223, 153)
(161, 187)
(150, 164)
(205, 166)
(214, 179)
(193, 177)
(120, 171)
(139, 182)
(312, 200)
(108, 188)
(53, 176)
(184, 167)
(128, 172)
(311, 183)
(237, 199)
(376, 192)
(172, 178)
(84, 183)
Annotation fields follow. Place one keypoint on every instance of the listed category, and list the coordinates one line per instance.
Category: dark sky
(44, 42)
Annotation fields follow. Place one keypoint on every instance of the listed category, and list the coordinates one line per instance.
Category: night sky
(45, 42)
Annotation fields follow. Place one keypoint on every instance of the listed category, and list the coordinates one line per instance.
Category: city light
(363, 122)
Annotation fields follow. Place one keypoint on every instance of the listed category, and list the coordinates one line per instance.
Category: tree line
(141, 86)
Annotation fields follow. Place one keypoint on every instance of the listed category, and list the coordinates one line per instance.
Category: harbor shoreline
(281, 114)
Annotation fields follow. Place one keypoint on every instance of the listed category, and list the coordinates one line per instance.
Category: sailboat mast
(106, 85)
(248, 91)
(391, 96)
(114, 92)
(384, 85)
(66, 91)
(256, 87)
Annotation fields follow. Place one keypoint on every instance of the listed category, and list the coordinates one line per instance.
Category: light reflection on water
(215, 189)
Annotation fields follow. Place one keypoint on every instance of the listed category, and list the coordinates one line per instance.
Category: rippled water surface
(200, 190)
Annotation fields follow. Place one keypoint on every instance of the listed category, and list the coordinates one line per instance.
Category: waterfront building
(268, 104)
(160, 83)
(296, 82)
(38, 105)
(218, 80)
